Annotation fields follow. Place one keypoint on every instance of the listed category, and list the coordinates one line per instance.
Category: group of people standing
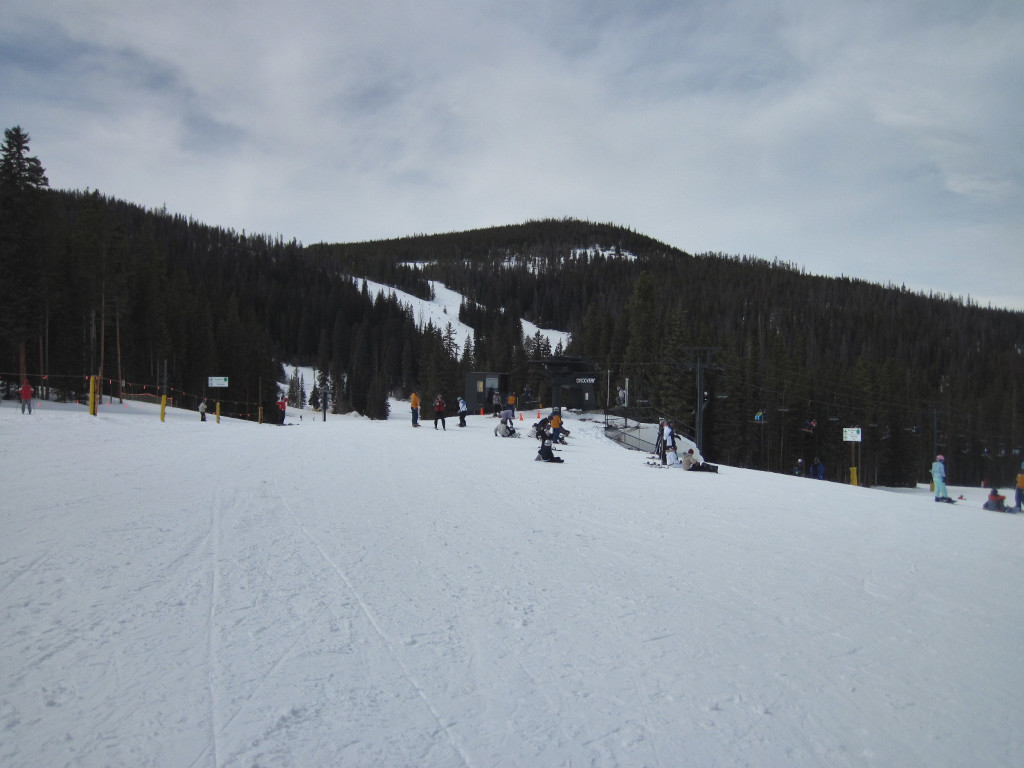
(439, 410)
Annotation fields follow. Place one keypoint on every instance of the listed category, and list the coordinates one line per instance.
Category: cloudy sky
(878, 139)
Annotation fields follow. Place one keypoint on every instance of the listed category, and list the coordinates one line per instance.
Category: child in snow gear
(996, 502)
(463, 410)
(202, 411)
(506, 428)
(556, 426)
(939, 479)
(439, 412)
(546, 454)
(540, 429)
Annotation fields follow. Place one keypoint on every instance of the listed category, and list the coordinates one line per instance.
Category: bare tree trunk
(120, 373)
(103, 335)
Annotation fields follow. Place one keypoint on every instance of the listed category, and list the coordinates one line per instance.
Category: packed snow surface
(358, 593)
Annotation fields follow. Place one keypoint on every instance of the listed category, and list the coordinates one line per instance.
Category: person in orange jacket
(556, 426)
(1020, 489)
(414, 401)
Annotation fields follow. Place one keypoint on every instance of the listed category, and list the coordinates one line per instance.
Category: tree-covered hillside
(918, 374)
(96, 286)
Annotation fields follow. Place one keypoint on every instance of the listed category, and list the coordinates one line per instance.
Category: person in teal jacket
(939, 479)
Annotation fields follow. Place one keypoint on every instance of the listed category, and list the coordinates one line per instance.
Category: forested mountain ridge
(813, 354)
(97, 286)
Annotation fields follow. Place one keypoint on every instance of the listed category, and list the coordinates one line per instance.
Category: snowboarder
(556, 426)
(463, 410)
(539, 430)
(692, 462)
(939, 479)
(546, 454)
(26, 393)
(996, 502)
(414, 401)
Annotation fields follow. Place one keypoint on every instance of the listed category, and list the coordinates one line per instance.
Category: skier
(463, 410)
(671, 458)
(26, 396)
(202, 411)
(939, 479)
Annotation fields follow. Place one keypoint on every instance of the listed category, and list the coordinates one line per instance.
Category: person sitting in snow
(692, 462)
(546, 454)
(540, 429)
(996, 501)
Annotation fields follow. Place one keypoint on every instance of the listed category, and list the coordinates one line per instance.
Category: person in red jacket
(439, 406)
(26, 396)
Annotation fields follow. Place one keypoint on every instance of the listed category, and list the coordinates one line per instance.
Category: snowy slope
(359, 593)
(444, 309)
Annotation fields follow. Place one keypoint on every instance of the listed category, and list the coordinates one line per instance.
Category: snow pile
(358, 593)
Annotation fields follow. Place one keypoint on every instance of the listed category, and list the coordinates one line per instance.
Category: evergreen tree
(22, 178)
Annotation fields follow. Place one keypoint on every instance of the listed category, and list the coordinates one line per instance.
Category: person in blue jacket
(939, 479)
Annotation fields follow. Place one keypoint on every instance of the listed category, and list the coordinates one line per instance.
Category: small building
(480, 389)
(573, 381)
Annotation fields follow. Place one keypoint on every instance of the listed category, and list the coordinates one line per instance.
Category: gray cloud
(870, 139)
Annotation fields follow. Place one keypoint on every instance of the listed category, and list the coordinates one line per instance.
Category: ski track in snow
(360, 593)
(441, 726)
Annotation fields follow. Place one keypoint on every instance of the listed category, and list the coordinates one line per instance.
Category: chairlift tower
(699, 361)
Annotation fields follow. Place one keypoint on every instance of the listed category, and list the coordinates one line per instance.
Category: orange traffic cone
(520, 415)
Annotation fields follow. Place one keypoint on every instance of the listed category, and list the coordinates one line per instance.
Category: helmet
(940, 457)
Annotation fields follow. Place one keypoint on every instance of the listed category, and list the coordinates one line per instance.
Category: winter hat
(940, 457)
